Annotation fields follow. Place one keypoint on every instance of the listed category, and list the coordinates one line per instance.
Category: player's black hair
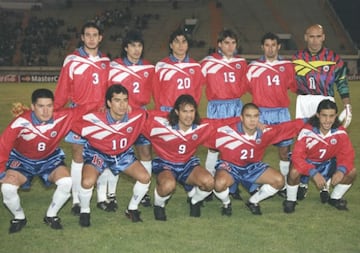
(249, 106)
(270, 36)
(117, 89)
(131, 37)
(91, 24)
(183, 100)
(227, 33)
(324, 105)
(174, 34)
(41, 93)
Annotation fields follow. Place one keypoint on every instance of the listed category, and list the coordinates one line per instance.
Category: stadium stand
(54, 28)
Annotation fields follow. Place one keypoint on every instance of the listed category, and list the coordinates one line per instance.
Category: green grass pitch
(314, 227)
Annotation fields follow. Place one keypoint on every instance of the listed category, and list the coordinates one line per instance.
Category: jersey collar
(111, 120)
(176, 60)
(36, 121)
(83, 53)
(127, 62)
(240, 128)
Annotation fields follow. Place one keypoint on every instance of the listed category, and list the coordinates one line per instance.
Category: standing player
(176, 74)
(225, 74)
(269, 80)
(110, 135)
(83, 79)
(318, 70)
(242, 146)
(175, 137)
(323, 151)
(135, 74)
(29, 148)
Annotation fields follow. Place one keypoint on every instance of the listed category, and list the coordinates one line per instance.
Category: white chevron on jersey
(30, 132)
(313, 138)
(167, 133)
(79, 64)
(101, 129)
(125, 71)
(168, 70)
(232, 140)
(257, 68)
(213, 64)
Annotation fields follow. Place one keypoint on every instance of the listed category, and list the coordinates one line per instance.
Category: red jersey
(169, 142)
(237, 147)
(135, 78)
(269, 82)
(173, 79)
(82, 79)
(311, 145)
(225, 79)
(33, 139)
(108, 136)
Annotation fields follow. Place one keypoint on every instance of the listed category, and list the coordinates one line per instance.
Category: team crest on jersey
(129, 129)
(103, 65)
(258, 141)
(282, 68)
(53, 134)
(146, 74)
(238, 66)
(326, 68)
(194, 137)
(192, 71)
(333, 141)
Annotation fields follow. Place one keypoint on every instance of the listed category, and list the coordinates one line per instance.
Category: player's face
(91, 39)
(250, 119)
(186, 116)
(314, 39)
(118, 105)
(134, 51)
(326, 118)
(43, 109)
(271, 49)
(228, 47)
(179, 47)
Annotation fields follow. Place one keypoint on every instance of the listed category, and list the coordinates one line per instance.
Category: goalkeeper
(318, 69)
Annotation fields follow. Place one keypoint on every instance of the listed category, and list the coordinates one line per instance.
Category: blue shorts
(142, 141)
(273, 116)
(72, 137)
(247, 176)
(31, 168)
(181, 171)
(222, 109)
(116, 163)
(326, 169)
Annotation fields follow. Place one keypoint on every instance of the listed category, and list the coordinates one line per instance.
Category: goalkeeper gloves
(346, 116)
